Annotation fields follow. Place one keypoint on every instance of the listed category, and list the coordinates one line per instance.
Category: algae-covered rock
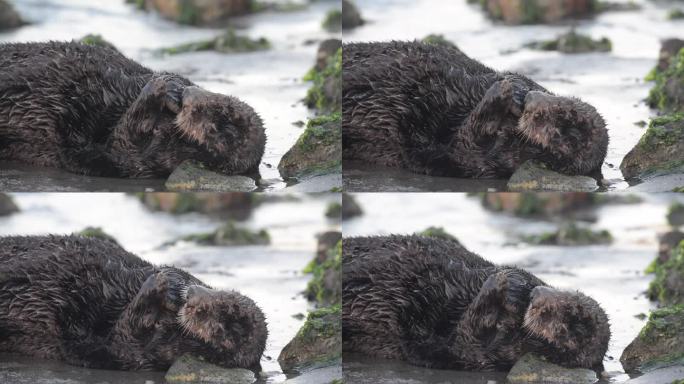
(675, 14)
(7, 205)
(437, 232)
(9, 18)
(326, 52)
(660, 343)
(573, 42)
(659, 151)
(96, 40)
(192, 176)
(318, 342)
(351, 17)
(199, 12)
(229, 42)
(675, 214)
(668, 52)
(667, 243)
(668, 285)
(334, 211)
(535, 176)
(537, 11)
(231, 235)
(234, 204)
(317, 151)
(192, 370)
(96, 232)
(327, 241)
(570, 234)
(533, 369)
(350, 208)
(325, 286)
(333, 21)
(668, 93)
(438, 40)
(325, 94)
(537, 204)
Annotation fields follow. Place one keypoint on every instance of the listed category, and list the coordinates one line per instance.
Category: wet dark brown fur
(432, 109)
(90, 303)
(432, 303)
(90, 110)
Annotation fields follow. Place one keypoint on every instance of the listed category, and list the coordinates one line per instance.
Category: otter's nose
(198, 291)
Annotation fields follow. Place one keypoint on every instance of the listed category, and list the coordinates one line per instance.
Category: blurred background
(599, 51)
(252, 243)
(256, 50)
(599, 244)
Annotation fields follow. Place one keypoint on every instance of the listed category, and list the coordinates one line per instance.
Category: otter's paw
(491, 299)
(164, 288)
(167, 90)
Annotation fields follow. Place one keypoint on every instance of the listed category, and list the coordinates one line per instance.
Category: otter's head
(175, 120)
(230, 327)
(569, 328)
(570, 134)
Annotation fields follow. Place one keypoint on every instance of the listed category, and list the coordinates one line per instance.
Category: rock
(333, 21)
(191, 370)
(675, 215)
(199, 12)
(351, 17)
(236, 205)
(537, 11)
(325, 287)
(667, 243)
(317, 151)
(659, 151)
(97, 40)
(659, 344)
(570, 234)
(96, 232)
(317, 344)
(668, 51)
(327, 241)
(326, 51)
(534, 176)
(192, 176)
(538, 204)
(7, 205)
(667, 375)
(668, 93)
(334, 211)
(231, 235)
(532, 369)
(438, 40)
(350, 208)
(659, 183)
(229, 42)
(668, 285)
(325, 94)
(675, 14)
(438, 232)
(9, 18)
(572, 42)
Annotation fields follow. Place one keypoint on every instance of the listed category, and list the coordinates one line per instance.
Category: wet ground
(271, 275)
(612, 82)
(270, 81)
(611, 274)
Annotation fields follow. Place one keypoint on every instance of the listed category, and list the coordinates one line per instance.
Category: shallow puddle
(612, 82)
(611, 274)
(271, 275)
(270, 81)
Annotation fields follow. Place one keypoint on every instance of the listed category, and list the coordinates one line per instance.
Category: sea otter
(90, 110)
(90, 303)
(432, 303)
(433, 110)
